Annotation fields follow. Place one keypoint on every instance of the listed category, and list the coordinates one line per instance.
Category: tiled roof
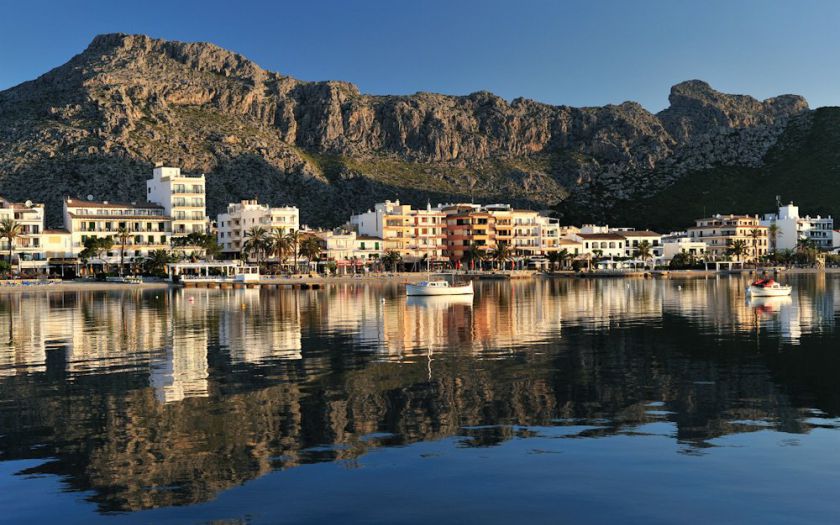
(601, 236)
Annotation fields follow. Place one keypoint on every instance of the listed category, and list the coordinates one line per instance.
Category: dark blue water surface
(552, 400)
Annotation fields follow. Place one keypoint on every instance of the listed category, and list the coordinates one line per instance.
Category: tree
(123, 236)
(501, 254)
(294, 241)
(310, 248)
(565, 257)
(737, 248)
(281, 245)
(94, 247)
(256, 243)
(773, 234)
(553, 259)
(391, 259)
(10, 230)
(207, 242)
(156, 262)
(474, 255)
(806, 251)
(643, 251)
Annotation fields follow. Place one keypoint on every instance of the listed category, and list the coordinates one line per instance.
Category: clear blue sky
(577, 53)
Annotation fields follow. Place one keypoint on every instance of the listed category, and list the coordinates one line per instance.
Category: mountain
(98, 124)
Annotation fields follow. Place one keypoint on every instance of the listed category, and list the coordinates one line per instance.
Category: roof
(79, 203)
(601, 236)
(368, 238)
(118, 217)
(640, 233)
(56, 231)
(567, 241)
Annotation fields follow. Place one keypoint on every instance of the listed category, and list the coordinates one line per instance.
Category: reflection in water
(151, 399)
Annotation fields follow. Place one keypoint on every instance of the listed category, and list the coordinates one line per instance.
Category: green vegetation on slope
(803, 167)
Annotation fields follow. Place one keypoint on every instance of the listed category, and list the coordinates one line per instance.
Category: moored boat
(768, 288)
(441, 287)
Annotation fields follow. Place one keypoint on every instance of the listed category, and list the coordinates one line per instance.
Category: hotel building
(182, 198)
(414, 233)
(244, 215)
(149, 226)
(721, 231)
(792, 228)
(27, 251)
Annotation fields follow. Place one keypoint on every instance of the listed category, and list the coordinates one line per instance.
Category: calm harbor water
(554, 400)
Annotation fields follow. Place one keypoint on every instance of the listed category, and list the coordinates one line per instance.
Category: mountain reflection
(157, 398)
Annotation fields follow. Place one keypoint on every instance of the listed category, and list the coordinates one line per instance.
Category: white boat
(768, 288)
(438, 288)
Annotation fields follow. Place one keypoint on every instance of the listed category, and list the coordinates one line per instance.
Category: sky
(578, 53)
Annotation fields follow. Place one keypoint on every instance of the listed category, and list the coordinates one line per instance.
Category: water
(552, 400)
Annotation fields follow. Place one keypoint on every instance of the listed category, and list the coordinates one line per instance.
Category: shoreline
(394, 278)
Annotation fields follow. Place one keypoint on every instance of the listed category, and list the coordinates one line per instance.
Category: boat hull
(757, 291)
(414, 290)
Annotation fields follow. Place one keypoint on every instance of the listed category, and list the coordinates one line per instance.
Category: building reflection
(170, 397)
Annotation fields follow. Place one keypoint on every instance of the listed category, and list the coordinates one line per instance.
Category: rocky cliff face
(97, 124)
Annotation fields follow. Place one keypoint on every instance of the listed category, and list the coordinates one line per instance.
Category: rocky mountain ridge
(97, 124)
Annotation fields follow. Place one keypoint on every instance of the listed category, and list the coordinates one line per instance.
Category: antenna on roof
(778, 201)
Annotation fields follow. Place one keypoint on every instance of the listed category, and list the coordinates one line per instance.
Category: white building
(636, 237)
(182, 198)
(680, 242)
(792, 228)
(149, 227)
(28, 252)
(608, 245)
(244, 215)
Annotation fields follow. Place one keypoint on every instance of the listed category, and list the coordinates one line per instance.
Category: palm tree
(501, 254)
(294, 241)
(310, 248)
(553, 259)
(281, 245)
(773, 233)
(391, 259)
(738, 248)
(643, 251)
(123, 236)
(564, 257)
(10, 230)
(474, 255)
(156, 262)
(256, 243)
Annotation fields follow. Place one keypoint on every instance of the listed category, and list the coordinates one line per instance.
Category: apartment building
(467, 226)
(233, 225)
(28, 253)
(792, 228)
(182, 198)
(721, 231)
(414, 233)
(148, 225)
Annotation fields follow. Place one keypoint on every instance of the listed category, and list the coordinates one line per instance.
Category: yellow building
(720, 232)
